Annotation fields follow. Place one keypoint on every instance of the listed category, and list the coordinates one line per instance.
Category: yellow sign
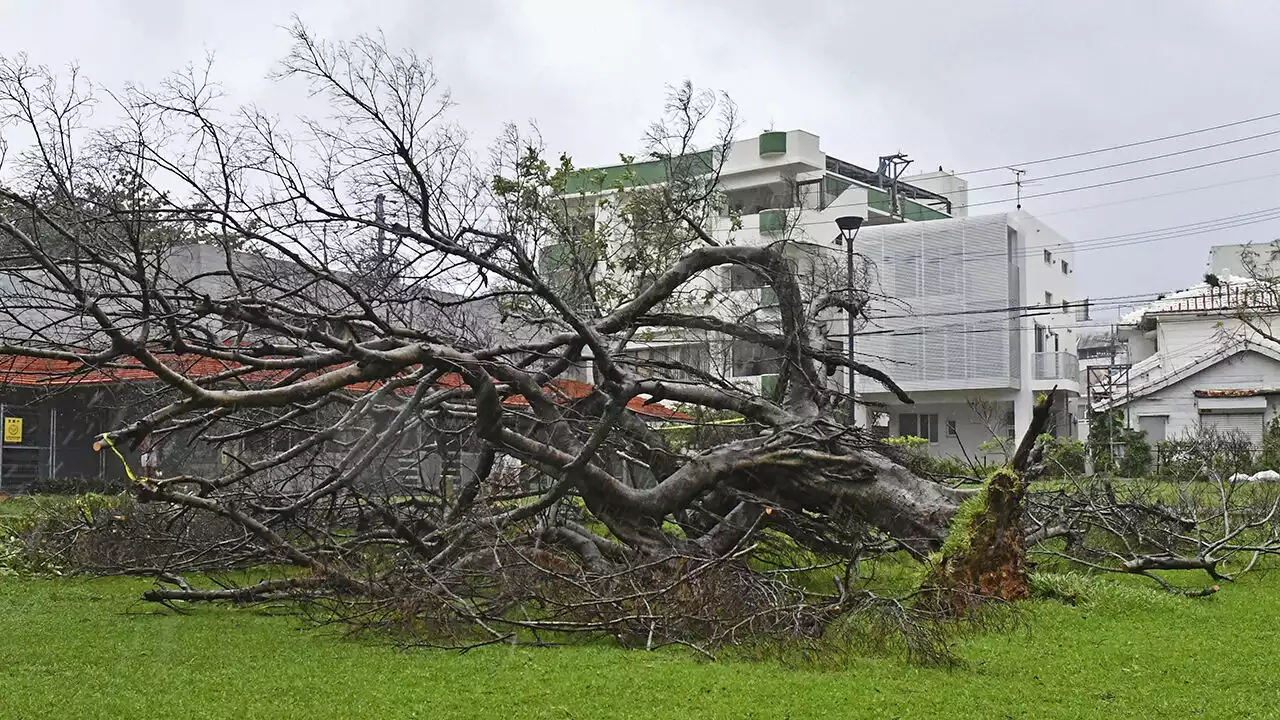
(13, 429)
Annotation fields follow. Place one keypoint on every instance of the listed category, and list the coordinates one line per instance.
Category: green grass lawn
(86, 648)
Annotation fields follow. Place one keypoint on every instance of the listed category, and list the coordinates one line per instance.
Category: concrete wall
(954, 188)
(1262, 259)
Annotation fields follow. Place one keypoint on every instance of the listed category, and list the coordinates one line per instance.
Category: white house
(1196, 362)
(983, 308)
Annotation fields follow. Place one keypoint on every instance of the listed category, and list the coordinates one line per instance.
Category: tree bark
(984, 556)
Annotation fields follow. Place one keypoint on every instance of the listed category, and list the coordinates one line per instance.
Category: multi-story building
(979, 314)
(982, 320)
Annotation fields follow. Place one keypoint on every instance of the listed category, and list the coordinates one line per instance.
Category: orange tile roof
(17, 370)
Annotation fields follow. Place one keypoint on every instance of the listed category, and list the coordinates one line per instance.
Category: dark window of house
(284, 438)
(1066, 269)
(742, 277)
(754, 359)
(694, 356)
(951, 429)
(918, 425)
(1048, 257)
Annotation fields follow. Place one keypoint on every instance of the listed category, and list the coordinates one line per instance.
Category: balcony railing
(1055, 366)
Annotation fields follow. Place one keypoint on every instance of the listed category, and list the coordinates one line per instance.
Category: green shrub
(1064, 457)
(79, 485)
(1269, 457)
(913, 452)
(1137, 454)
(1206, 456)
(952, 466)
(1107, 434)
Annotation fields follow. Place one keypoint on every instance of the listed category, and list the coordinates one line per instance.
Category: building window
(1048, 298)
(1048, 257)
(1155, 427)
(742, 277)
(1010, 424)
(754, 359)
(753, 200)
(1066, 306)
(918, 425)
(951, 429)
(694, 356)
(1066, 269)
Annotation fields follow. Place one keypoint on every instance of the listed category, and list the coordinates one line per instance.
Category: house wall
(972, 429)
(1225, 260)
(1247, 370)
(1181, 336)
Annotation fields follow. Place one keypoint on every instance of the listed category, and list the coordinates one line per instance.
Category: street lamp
(849, 227)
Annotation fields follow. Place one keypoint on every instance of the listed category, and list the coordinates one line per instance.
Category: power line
(1093, 302)
(1123, 146)
(1140, 198)
(1136, 178)
(1171, 232)
(1136, 161)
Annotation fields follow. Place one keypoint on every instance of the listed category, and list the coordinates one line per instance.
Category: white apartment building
(983, 320)
(983, 309)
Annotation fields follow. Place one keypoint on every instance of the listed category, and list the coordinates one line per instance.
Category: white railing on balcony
(1055, 366)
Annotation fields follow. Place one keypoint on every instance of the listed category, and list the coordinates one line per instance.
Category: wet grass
(87, 648)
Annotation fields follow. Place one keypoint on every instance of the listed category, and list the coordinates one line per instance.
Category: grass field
(86, 648)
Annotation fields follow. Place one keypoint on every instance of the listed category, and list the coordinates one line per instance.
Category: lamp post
(849, 227)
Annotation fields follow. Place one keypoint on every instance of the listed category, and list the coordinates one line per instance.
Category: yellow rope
(97, 447)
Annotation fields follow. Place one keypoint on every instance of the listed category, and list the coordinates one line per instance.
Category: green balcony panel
(773, 221)
(773, 143)
(768, 385)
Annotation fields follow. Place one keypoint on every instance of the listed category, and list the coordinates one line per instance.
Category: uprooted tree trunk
(985, 554)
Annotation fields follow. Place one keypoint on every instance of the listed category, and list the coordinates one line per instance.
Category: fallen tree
(432, 389)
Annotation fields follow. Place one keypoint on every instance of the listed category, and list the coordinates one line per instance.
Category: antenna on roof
(1017, 181)
(890, 170)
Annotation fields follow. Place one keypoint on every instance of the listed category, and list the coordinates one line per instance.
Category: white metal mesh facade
(942, 275)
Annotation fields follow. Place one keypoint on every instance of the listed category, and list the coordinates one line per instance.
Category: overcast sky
(965, 85)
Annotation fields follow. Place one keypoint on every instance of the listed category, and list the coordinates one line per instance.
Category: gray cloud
(964, 85)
